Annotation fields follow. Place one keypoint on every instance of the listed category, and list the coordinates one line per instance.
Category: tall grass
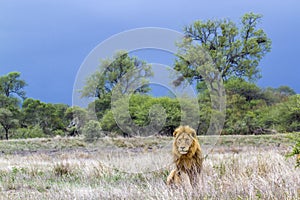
(122, 173)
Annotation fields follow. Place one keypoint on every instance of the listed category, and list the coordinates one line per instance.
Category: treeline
(213, 52)
(249, 110)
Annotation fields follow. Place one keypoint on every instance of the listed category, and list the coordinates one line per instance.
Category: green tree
(8, 120)
(289, 115)
(121, 70)
(147, 113)
(8, 102)
(239, 86)
(277, 95)
(49, 117)
(11, 85)
(92, 131)
(234, 50)
(283, 116)
(245, 101)
(9, 113)
(100, 106)
(32, 132)
(111, 71)
(285, 90)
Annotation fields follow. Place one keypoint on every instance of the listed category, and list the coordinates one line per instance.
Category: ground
(236, 167)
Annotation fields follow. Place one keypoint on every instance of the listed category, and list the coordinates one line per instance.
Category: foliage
(284, 116)
(143, 109)
(252, 110)
(77, 117)
(100, 106)
(11, 85)
(9, 114)
(49, 117)
(277, 95)
(32, 132)
(213, 53)
(235, 51)
(112, 71)
(8, 120)
(296, 148)
(243, 98)
(92, 131)
(238, 86)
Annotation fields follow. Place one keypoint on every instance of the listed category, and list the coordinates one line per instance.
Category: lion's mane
(189, 165)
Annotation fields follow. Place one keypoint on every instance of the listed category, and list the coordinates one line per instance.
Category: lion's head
(185, 142)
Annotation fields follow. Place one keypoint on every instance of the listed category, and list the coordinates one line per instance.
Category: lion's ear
(194, 133)
(175, 133)
(177, 130)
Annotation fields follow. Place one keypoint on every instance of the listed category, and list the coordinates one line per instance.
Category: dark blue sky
(47, 40)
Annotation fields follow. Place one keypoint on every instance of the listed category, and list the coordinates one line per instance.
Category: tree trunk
(6, 133)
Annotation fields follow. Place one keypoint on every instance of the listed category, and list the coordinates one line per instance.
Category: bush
(33, 132)
(142, 108)
(296, 148)
(59, 132)
(284, 117)
(92, 131)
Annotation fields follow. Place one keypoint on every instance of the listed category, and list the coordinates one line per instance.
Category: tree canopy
(11, 85)
(235, 50)
(110, 73)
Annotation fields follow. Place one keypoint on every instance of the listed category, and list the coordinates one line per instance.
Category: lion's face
(184, 142)
(184, 139)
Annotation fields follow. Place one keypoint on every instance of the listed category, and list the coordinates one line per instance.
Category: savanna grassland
(236, 167)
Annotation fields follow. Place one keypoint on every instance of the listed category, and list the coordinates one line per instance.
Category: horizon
(48, 42)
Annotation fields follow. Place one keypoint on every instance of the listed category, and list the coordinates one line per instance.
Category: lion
(187, 157)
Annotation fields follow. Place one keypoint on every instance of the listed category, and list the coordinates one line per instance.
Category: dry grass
(230, 172)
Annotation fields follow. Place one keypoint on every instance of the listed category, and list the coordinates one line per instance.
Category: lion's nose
(182, 148)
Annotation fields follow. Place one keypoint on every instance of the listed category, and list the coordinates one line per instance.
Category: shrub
(92, 131)
(32, 132)
(284, 117)
(296, 148)
(59, 132)
(143, 109)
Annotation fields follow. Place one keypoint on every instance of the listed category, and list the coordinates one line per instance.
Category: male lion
(187, 157)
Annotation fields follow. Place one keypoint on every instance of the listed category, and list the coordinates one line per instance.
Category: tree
(235, 51)
(290, 113)
(283, 116)
(277, 95)
(92, 131)
(49, 117)
(7, 120)
(149, 115)
(8, 102)
(111, 71)
(285, 91)
(241, 87)
(11, 85)
(9, 113)
(100, 106)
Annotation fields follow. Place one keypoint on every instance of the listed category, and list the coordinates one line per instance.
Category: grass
(239, 167)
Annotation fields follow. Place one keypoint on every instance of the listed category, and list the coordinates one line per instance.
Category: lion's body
(187, 157)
